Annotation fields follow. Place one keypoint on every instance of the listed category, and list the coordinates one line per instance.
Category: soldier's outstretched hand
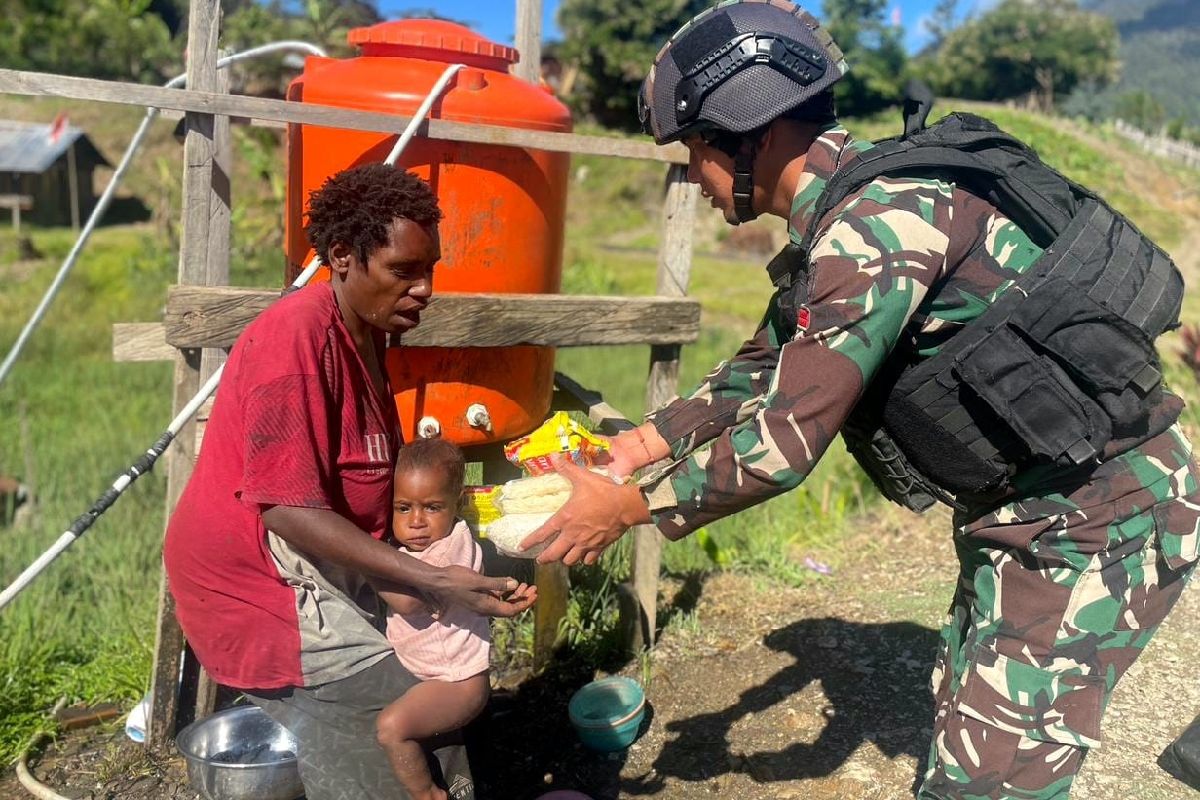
(596, 515)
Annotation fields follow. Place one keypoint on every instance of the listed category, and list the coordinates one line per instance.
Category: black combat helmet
(734, 68)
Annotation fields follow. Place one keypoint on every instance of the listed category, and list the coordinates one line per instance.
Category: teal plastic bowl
(607, 713)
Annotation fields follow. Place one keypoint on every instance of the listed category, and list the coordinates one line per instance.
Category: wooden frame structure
(17, 203)
(203, 315)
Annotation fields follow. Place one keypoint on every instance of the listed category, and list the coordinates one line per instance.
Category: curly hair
(435, 453)
(358, 205)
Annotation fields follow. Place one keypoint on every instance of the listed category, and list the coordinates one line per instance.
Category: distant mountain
(1160, 51)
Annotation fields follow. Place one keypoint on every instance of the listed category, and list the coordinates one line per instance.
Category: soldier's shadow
(875, 680)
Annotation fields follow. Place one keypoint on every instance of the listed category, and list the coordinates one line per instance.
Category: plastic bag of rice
(510, 530)
(534, 495)
(525, 504)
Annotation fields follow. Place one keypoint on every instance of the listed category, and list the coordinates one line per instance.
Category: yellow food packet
(559, 434)
(480, 507)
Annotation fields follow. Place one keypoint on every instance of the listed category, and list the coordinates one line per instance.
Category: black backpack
(1061, 369)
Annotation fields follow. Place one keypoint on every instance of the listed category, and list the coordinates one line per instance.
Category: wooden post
(674, 270)
(198, 153)
(529, 41)
(554, 587)
(553, 581)
(217, 274)
(73, 186)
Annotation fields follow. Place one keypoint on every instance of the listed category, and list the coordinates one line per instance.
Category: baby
(447, 651)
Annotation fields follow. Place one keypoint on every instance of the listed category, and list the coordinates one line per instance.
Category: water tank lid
(430, 34)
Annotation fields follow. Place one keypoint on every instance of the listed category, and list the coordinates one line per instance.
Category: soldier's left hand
(596, 515)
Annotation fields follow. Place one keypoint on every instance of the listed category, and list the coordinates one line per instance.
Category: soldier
(1073, 545)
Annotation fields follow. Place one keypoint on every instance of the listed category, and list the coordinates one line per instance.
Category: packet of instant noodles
(480, 507)
(559, 434)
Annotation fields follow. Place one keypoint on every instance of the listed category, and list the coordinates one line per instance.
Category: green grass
(71, 419)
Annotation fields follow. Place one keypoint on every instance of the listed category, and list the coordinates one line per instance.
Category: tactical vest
(1060, 370)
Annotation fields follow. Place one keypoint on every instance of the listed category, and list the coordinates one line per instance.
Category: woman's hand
(594, 517)
(330, 536)
(492, 597)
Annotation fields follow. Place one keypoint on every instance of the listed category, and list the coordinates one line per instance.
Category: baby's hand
(525, 595)
(463, 586)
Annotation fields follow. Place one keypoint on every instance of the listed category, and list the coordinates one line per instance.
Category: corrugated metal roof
(26, 146)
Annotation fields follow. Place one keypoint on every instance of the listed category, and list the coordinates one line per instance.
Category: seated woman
(274, 547)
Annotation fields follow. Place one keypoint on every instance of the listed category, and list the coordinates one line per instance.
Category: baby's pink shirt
(456, 645)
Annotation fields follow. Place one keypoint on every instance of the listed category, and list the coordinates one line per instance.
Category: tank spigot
(428, 427)
(478, 416)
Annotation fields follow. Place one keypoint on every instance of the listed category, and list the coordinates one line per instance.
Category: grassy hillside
(1160, 51)
(70, 419)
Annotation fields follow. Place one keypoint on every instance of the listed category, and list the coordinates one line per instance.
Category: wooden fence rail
(214, 317)
(198, 316)
(261, 108)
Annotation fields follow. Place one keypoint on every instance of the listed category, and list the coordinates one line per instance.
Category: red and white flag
(58, 127)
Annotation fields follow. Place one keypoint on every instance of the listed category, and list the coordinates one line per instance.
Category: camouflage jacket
(899, 258)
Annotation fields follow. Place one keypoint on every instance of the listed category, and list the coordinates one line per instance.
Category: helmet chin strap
(743, 181)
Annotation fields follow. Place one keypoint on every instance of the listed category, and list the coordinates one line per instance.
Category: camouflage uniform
(1059, 590)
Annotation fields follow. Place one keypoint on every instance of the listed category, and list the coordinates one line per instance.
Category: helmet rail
(735, 68)
(803, 64)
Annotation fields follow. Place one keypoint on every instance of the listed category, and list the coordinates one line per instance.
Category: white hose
(25, 776)
(31, 784)
(106, 197)
(143, 465)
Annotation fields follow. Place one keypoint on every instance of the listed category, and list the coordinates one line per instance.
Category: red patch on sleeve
(803, 317)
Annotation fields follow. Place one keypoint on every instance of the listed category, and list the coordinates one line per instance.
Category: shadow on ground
(524, 745)
(873, 676)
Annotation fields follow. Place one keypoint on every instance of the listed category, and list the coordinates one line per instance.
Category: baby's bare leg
(427, 709)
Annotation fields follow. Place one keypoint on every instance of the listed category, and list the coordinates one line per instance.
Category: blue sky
(494, 18)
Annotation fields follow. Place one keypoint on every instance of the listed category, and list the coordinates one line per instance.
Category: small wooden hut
(52, 164)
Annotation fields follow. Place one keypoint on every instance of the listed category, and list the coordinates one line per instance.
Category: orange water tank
(503, 207)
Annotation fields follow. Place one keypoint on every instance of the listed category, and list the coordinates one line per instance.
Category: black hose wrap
(135, 471)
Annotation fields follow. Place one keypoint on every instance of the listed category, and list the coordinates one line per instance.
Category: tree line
(1050, 54)
(144, 40)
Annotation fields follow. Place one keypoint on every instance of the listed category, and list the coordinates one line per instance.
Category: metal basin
(241, 754)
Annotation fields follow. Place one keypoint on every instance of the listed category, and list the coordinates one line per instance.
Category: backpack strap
(972, 153)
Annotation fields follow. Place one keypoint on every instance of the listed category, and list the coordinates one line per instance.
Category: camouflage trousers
(1057, 597)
